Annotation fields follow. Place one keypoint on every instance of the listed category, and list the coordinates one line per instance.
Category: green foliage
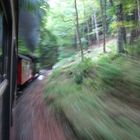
(81, 70)
(83, 94)
(134, 49)
(30, 5)
(108, 72)
(66, 52)
(59, 20)
(48, 50)
(22, 49)
(121, 75)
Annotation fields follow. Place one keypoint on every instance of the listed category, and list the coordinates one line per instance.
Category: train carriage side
(25, 72)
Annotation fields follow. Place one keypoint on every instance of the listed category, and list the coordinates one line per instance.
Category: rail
(3, 86)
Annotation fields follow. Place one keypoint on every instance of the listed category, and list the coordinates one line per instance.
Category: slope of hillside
(97, 100)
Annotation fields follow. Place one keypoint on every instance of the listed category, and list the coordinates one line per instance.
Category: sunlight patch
(41, 77)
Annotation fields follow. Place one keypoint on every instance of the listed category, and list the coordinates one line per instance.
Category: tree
(96, 28)
(48, 49)
(135, 18)
(104, 22)
(78, 32)
(48, 46)
(108, 16)
(121, 30)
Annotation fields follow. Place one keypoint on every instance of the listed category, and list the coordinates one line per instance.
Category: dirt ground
(32, 119)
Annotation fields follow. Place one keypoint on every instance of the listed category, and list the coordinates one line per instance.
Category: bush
(82, 70)
(134, 49)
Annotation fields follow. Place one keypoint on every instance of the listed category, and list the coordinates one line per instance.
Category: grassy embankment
(100, 100)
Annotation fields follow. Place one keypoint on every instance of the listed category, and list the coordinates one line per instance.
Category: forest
(93, 50)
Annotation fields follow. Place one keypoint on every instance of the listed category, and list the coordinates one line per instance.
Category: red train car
(25, 69)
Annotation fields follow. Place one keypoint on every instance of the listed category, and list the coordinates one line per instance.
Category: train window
(0, 72)
(1, 30)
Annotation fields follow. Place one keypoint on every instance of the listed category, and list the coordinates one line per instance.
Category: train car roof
(27, 57)
(24, 57)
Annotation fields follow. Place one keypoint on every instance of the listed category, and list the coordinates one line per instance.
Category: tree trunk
(103, 12)
(134, 32)
(96, 29)
(92, 26)
(136, 18)
(121, 30)
(78, 32)
(138, 7)
(88, 32)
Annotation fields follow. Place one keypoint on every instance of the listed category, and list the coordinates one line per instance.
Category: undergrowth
(94, 97)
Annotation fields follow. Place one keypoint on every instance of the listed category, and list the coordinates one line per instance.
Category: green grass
(94, 97)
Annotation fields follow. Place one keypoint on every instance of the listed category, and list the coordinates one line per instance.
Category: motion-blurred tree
(48, 47)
